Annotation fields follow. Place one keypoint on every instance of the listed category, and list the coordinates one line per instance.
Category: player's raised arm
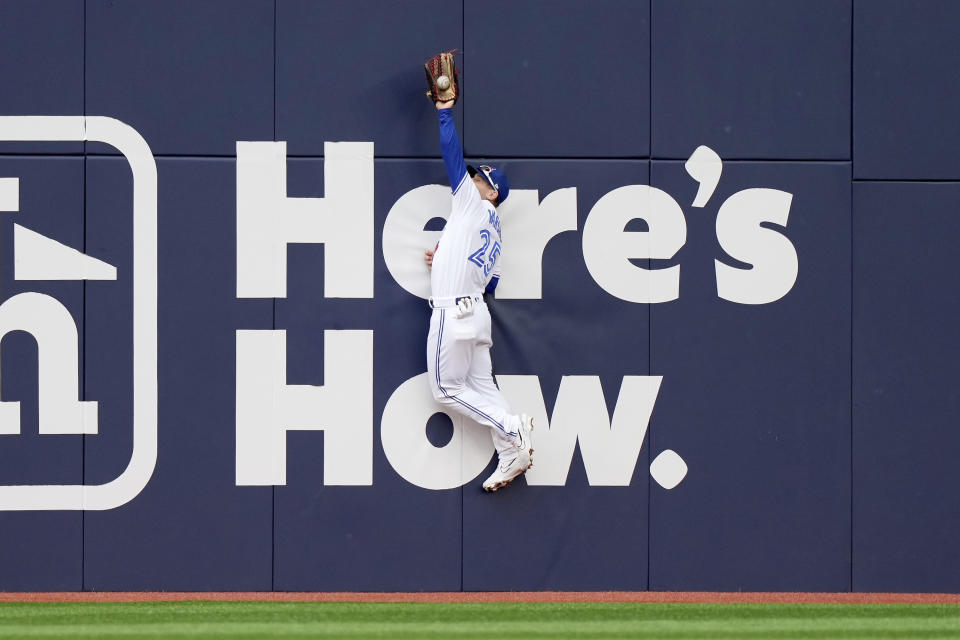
(450, 146)
(443, 90)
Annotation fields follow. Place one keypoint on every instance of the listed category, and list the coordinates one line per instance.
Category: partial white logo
(37, 257)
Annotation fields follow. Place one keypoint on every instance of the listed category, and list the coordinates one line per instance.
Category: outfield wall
(811, 398)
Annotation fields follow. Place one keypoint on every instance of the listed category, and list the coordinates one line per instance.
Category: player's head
(491, 182)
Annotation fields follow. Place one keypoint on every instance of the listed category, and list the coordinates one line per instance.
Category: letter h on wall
(267, 221)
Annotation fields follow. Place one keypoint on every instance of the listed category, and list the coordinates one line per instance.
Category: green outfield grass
(487, 620)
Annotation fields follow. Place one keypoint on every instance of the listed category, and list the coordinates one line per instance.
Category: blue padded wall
(906, 97)
(393, 535)
(343, 73)
(586, 537)
(751, 79)
(757, 399)
(817, 429)
(212, 535)
(42, 549)
(557, 78)
(41, 63)
(192, 78)
(905, 505)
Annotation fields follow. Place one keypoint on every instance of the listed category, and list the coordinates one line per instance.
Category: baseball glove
(442, 78)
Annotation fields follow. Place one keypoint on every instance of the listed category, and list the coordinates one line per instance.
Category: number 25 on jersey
(480, 256)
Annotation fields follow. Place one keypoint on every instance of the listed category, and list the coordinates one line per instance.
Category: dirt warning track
(489, 596)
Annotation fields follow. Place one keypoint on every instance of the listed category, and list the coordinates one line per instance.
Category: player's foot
(513, 463)
(508, 470)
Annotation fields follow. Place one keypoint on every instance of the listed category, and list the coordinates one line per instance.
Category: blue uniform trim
(443, 315)
(436, 367)
(462, 182)
(492, 285)
(451, 149)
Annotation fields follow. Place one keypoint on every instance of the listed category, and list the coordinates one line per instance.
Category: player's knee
(446, 390)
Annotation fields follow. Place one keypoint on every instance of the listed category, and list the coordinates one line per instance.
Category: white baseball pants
(461, 372)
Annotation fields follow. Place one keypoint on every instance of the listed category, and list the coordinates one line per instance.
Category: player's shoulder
(461, 188)
(468, 199)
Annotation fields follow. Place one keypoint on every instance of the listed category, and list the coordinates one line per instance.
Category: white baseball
(443, 83)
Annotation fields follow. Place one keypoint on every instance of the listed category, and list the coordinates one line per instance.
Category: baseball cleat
(507, 471)
(516, 464)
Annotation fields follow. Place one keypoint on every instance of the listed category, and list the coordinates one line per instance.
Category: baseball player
(464, 265)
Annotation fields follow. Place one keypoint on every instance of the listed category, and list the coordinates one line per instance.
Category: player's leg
(451, 346)
(480, 379)
(515, 453)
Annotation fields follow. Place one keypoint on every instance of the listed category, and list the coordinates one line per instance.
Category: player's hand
(428, 258)
(445, 105)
